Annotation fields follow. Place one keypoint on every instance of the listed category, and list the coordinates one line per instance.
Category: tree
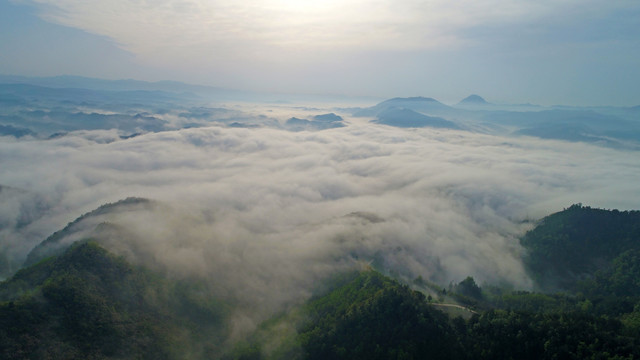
(468, 287)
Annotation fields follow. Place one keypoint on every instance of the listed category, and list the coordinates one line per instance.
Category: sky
(574, 52)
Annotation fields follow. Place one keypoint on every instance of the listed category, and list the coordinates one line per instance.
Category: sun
(305, 6)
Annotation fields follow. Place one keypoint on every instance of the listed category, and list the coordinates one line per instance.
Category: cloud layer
(198, 32)
(144, 27)
(265, 213)
(178, 30)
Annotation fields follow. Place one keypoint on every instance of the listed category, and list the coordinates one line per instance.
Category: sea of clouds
(266, 213)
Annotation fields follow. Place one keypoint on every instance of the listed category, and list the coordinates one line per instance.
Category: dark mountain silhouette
(15, 131)
(319, 122)
(473, 100)
(68, 81)
(408, 118)
(79, 95)
(420, 104)
(330, 117)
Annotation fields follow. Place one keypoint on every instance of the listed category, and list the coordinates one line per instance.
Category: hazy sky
(563, 51)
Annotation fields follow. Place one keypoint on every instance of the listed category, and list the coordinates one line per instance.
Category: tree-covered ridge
(393, 322)
(374, 317)
(573, 244)
(500, 334)
(621, 278)
(89, 304)
(52, 246)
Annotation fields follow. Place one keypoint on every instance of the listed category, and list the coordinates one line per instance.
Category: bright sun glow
(306, 6)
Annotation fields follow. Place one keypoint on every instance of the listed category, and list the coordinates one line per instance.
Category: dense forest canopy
(88, 303)
(573, 244)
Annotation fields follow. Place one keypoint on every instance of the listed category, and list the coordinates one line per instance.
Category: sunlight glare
(305, 6)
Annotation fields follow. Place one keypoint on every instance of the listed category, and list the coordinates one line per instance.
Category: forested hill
(573, 244)
(89, 304)
(56, 244)
(374, 317)
(86, 303)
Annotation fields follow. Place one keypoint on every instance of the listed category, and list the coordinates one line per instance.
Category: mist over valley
(262, 200)
(190, 179)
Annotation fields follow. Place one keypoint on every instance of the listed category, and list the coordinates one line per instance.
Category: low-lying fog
(264, 212)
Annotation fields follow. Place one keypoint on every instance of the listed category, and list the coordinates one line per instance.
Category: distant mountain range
(407, 118)
(208, 93)
(473, 99)
(607, 126)
(54, 106)
(80, 82)
(419, 104)
(318, 122)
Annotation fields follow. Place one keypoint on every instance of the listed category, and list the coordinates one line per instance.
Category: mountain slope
(419, 104)
(88, 304)
(373, 317)
(407, 118)
(473, 100)
(573, 244)
(370, 316)
(91, 222)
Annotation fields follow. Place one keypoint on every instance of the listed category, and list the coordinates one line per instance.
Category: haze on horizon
(547, 52)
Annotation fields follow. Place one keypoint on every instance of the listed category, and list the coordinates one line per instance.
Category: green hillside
(574, 244)
(89, 304)
(374, 317)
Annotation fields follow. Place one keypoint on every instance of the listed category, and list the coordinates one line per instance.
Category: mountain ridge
(88, 303)
(54, 244)
(473, 99)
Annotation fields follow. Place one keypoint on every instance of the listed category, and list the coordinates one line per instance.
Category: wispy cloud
(151, 28)
(566, 51)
